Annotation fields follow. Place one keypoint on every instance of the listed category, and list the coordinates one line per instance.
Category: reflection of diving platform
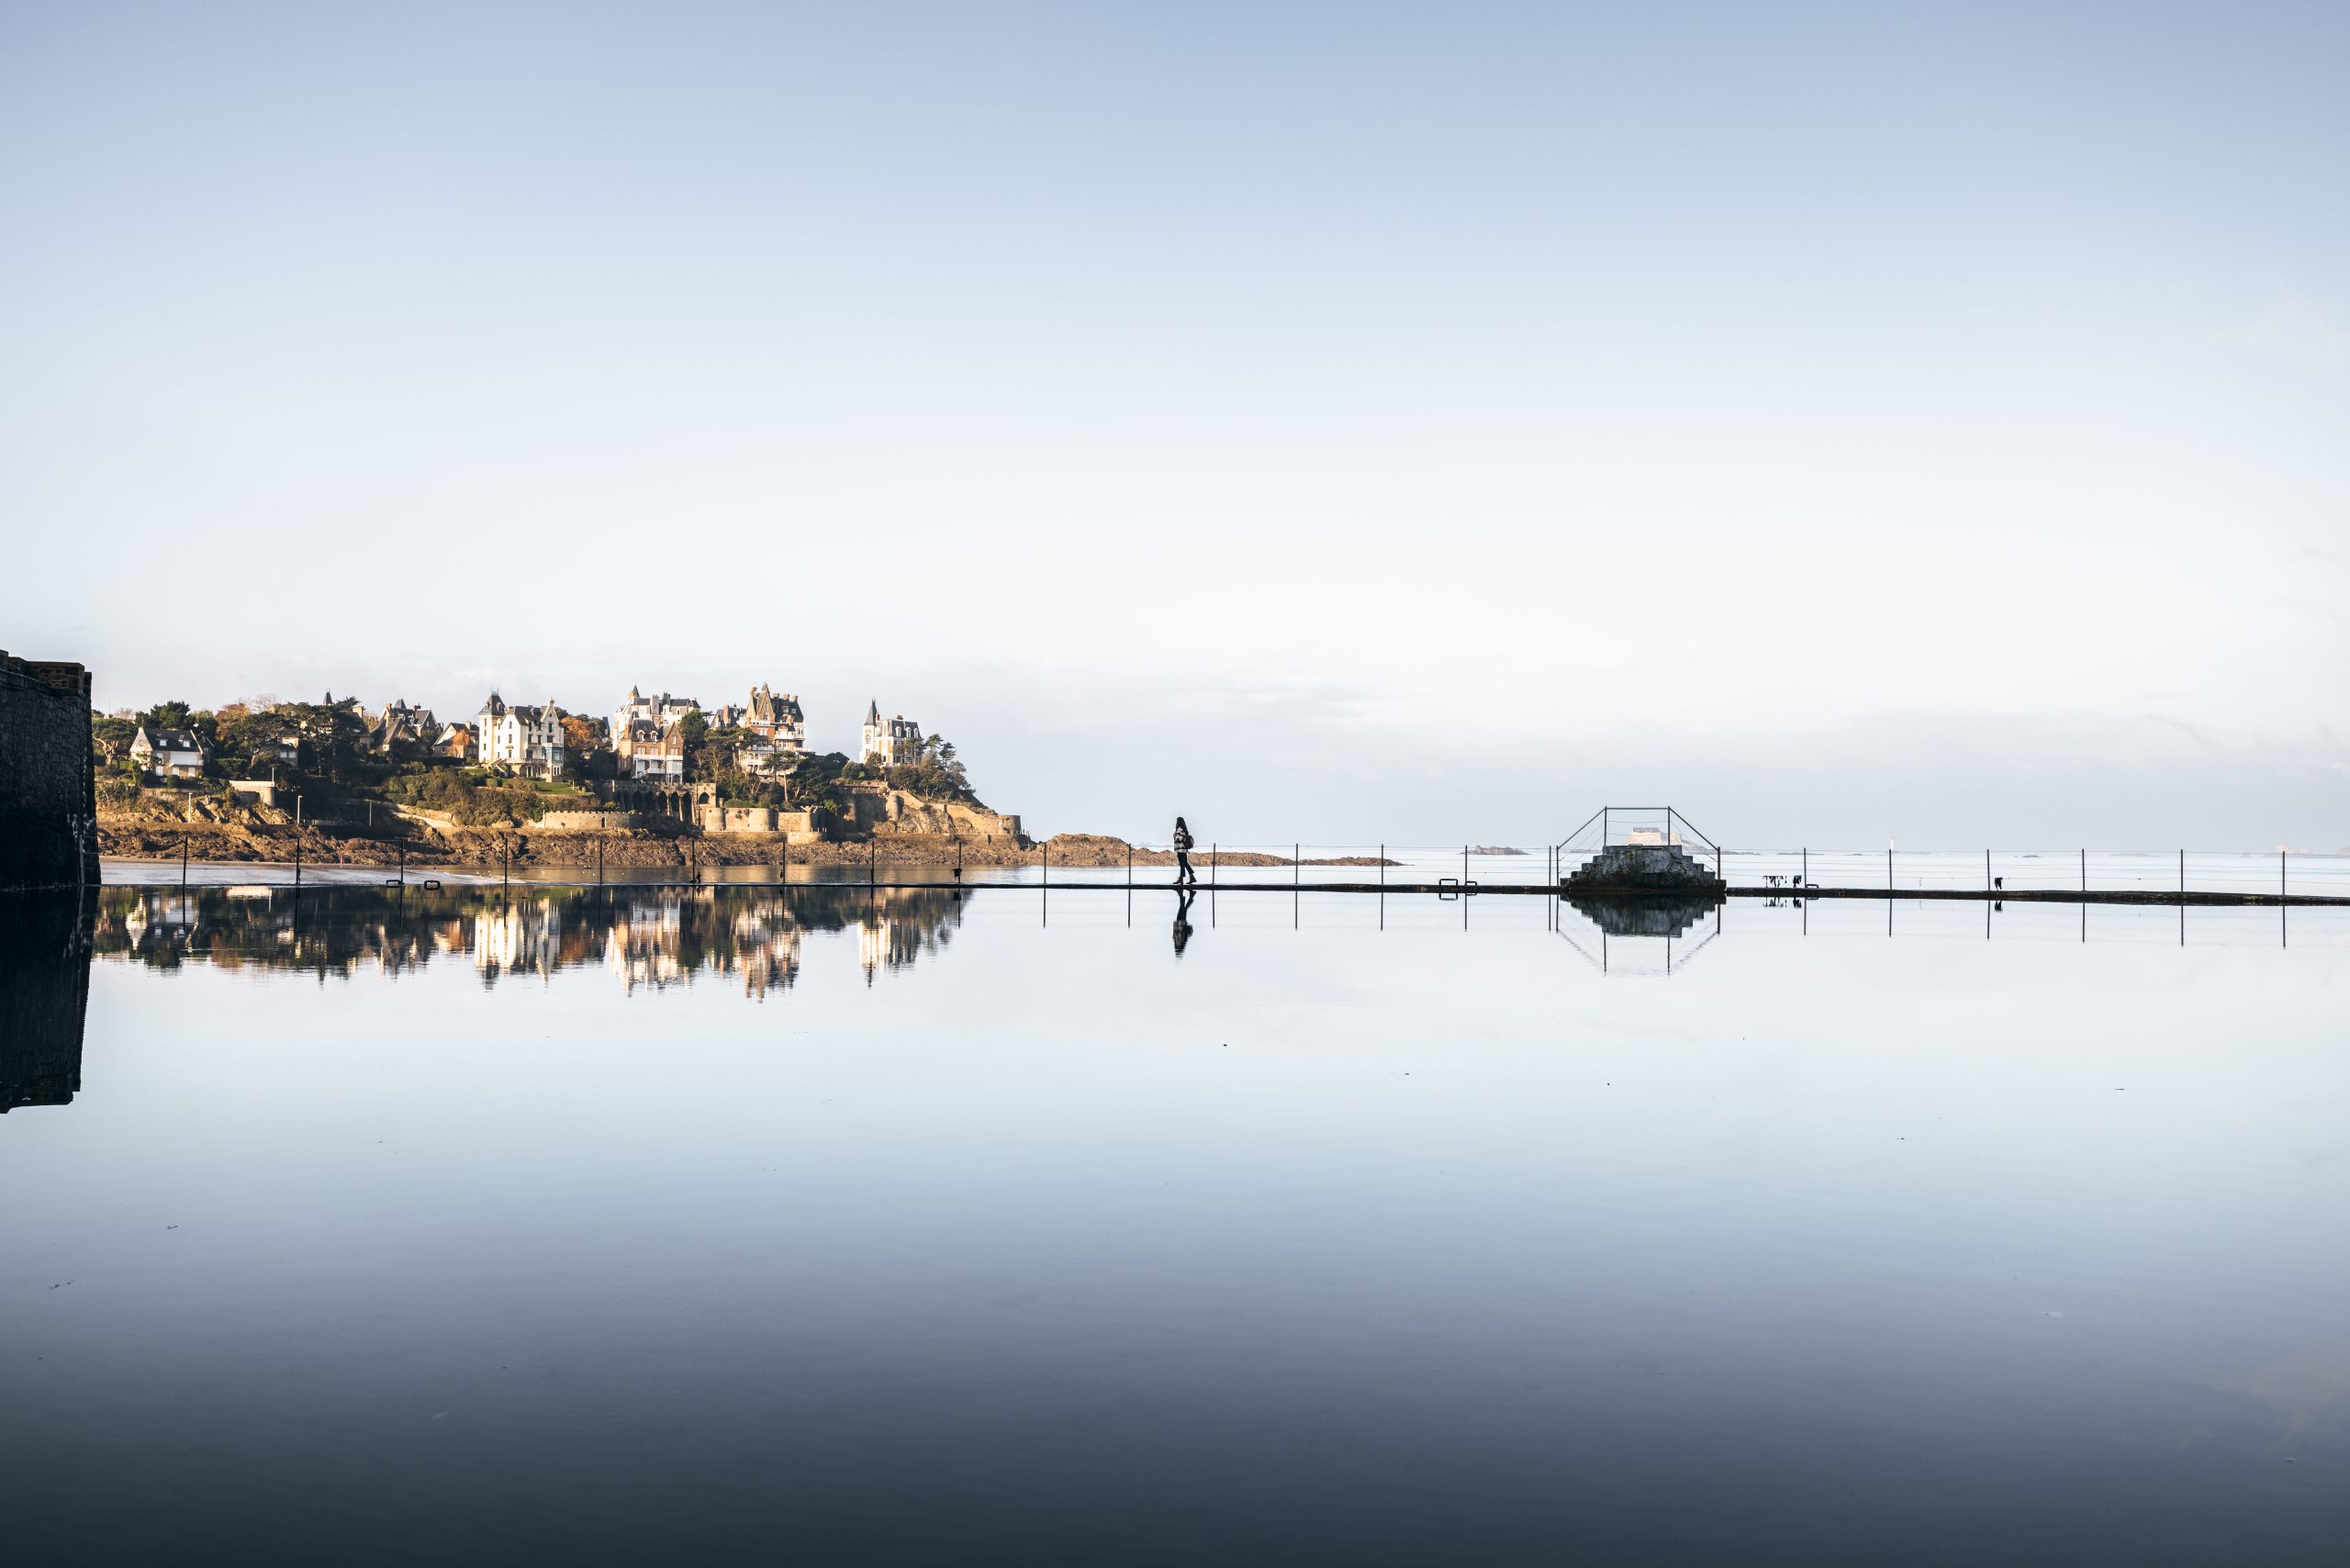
(1637, 937)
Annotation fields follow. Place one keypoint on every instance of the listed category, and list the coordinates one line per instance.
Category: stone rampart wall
(795, 827)
(581, 821)
(49, 804)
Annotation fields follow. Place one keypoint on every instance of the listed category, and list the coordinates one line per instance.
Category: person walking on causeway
(1184, 872)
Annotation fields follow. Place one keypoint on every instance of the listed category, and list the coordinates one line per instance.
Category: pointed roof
(873, 712)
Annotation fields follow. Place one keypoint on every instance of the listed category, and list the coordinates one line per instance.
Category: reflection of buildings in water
(898, 925)
(653, 937)
(518, 938)
(759, 935)
(642, 945)
(322, 932)
(873, 945)
(45, 944)
(159, 918)
(767, 949)
(666, 940)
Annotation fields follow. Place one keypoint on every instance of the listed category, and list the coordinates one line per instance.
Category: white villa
(522, 740)
(893, 744)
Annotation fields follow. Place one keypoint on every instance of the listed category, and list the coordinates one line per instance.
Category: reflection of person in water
(1184, 872)
(1184, 920)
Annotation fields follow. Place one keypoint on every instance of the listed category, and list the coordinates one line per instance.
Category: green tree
(110, 738)
(934, 774)
(331, 734)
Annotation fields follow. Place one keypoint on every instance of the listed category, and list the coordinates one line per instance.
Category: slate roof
(161, 739)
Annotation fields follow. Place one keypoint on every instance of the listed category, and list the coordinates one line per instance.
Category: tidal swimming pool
(614, 1224)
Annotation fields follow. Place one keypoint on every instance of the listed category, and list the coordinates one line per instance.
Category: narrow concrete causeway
(1442, 889)
(1975, 895)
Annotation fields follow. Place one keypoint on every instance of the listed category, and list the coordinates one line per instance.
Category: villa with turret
(893, 744)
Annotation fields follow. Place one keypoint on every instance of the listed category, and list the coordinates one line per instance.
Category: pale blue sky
(1349, 420)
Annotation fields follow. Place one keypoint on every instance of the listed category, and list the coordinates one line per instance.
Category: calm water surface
(348, 1227)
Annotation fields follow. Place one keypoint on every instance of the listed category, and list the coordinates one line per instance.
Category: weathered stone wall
(49, 804)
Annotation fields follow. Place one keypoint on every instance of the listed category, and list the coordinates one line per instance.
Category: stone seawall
(49, 805)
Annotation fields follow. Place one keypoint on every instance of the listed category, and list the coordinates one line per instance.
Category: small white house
(168, 754)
